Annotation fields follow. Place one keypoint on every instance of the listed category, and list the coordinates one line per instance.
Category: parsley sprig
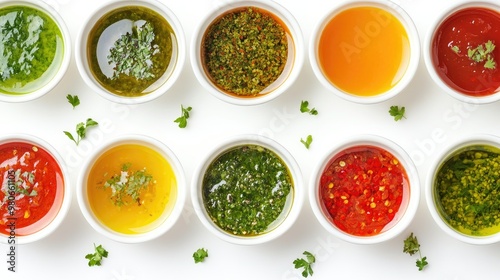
(200, 255)
(73, 100)
(182, 120)
(307, 142)
(97, 256)
(304, 108)
(81, 130)
(411, 247)
(397, 112)
(482, 53)
(306, 264)
(128, 184)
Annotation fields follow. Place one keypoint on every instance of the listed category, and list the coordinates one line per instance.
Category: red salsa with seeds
(362, 189)
(466, 51)
(32, 188)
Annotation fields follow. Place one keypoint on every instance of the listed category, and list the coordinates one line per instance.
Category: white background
(433, 120)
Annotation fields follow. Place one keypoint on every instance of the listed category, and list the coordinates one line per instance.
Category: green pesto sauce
(246, 190)
(31, 49)
(245, 51)
(131, 51)
(468, 190)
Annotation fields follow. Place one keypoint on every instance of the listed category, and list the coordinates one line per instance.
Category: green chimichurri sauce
(245, 51)
(132, 51)
(246, 190)
(31, 49)
(468, 190)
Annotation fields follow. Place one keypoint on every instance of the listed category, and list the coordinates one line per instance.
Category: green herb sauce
(246, 190)
(31, 49)
(132, 51)
(245, 52)
(468, 190)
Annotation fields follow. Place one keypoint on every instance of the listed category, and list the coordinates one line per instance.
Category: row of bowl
(250, 52)
(249, 189)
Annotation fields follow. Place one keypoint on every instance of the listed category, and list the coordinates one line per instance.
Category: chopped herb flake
(245, 51)
(132, 53)
(126, 187)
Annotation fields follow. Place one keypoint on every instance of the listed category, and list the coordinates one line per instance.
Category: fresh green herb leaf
(306, 264)
(128, 184)
(482, 53)
(307, 142)
(70, 136)
(421, 263)
(397, 112)
(97, 256)
(470, 53)
(304, 108)
(455, 49)
(490, 47)
(73, 100)
(182, 120)
(90, 122)
(132, 53)
(200, 255)
(411, 247)
(81, 130)
(490, 63)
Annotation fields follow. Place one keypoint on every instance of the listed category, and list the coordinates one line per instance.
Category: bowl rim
(170, 220)
(427, 51)
(442, 156)
(226, 145)
(395, 150)
(99, 12)
(66, 56)
(67, 188)
(270, 6)
(413, 60)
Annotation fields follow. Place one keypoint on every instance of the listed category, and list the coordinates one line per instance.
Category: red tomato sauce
(362, 188)
(463, 31)
(31, 190)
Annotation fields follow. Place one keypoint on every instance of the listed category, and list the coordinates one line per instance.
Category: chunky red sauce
(362, 189)
(31, 190)
(466, 30)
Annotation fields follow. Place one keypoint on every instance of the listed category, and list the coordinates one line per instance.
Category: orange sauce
(364, 51)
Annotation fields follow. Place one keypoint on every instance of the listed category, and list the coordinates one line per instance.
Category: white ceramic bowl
(56, 215)
(290, 211)
(432, 198)
(373, 29)
(57, 70)
(410, 199)
(295, 52)
(430, 61)
(170, 214)
(172, 72)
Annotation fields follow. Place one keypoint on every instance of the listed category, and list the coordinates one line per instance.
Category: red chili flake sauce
(465, 31)
(32, 188)
(362, 189)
